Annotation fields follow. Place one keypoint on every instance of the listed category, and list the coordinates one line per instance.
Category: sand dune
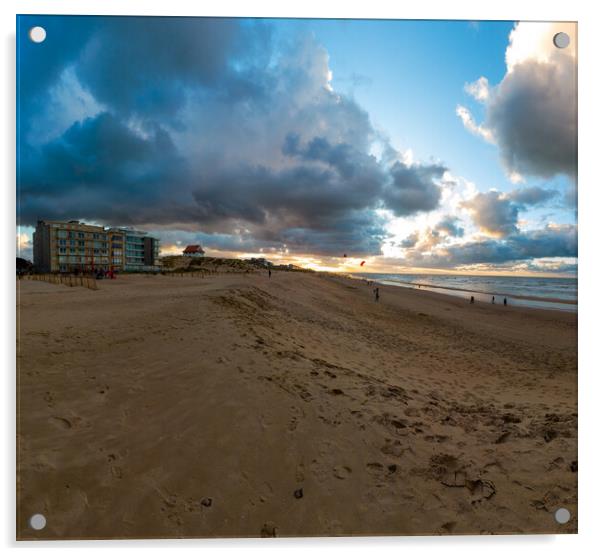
(235, 405)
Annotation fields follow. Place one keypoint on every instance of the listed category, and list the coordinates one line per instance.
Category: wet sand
(235, 405)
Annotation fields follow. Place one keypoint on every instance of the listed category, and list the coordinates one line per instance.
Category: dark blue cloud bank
(215, 128)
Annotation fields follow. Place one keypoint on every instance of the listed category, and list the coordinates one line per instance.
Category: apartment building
(78, 247)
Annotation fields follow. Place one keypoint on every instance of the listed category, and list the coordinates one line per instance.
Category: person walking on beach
(472, 298)
(376, 294)
(493, 299)
(269, 272)
(505, 302)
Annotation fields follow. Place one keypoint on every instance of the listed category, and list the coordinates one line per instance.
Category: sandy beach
(237, 405)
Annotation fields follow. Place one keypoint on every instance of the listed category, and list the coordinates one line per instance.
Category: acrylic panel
(295, 277)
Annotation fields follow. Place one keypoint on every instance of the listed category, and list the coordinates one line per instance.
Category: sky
(415, 146)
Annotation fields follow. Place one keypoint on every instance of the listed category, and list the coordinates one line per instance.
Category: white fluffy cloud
(478, 89)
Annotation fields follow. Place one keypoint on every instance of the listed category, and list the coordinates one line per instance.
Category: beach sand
(237, 405)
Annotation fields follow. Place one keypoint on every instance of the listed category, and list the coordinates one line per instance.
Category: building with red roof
(193, 251)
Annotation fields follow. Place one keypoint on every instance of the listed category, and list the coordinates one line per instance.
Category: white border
(590, 329)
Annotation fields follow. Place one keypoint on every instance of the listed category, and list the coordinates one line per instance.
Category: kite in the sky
(362, 263)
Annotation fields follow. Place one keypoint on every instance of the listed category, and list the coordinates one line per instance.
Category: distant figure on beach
(269, 272)
(472, 298)
(493, 299)
(505, 302)
(376, 294)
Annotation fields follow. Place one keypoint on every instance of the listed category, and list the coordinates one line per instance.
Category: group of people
(492, 300)
(100, 273)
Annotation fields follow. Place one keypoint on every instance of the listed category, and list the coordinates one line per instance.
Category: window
(61, 233)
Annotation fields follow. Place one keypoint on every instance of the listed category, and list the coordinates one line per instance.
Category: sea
(539, 292)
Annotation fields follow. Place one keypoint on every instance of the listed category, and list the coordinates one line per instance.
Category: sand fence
(187, 274)
(65, 279)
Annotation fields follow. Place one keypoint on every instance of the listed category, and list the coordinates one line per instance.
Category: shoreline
(538, 302)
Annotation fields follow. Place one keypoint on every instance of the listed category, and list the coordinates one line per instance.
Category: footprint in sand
(393, 448)
(297, 415)
(61, 422)
(452, 473)
(342, 472)
(448, 527)
(115, 470)
(49, 399)
(436, 438)
(378, 469)
(269, 530)
(374, 468)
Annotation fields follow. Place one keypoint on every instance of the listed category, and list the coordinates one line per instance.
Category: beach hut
(193, 251)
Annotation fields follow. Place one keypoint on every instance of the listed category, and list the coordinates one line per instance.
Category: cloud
(531, 115)
(532, 195)
(24, 246)
(553, 241)
(478, 89)
(205, 126)
(154, 61)
(209, 131)
(450, 226)
(99, 169)
(410, 241)
(414, 188)
(496, 213)
(493, 213)
(471, 125)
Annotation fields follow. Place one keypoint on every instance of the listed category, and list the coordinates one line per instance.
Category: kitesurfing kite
(362, 263)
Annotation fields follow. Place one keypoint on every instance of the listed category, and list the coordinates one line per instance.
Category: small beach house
(193, 251)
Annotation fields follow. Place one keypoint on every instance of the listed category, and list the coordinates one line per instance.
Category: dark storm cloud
(98, 169)
(205, 126)
(40, 64)
(533, 116)
(549, 242)
(306, 207)
(349, 162)
(413, 188)
(358, 233)
(145, 65)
